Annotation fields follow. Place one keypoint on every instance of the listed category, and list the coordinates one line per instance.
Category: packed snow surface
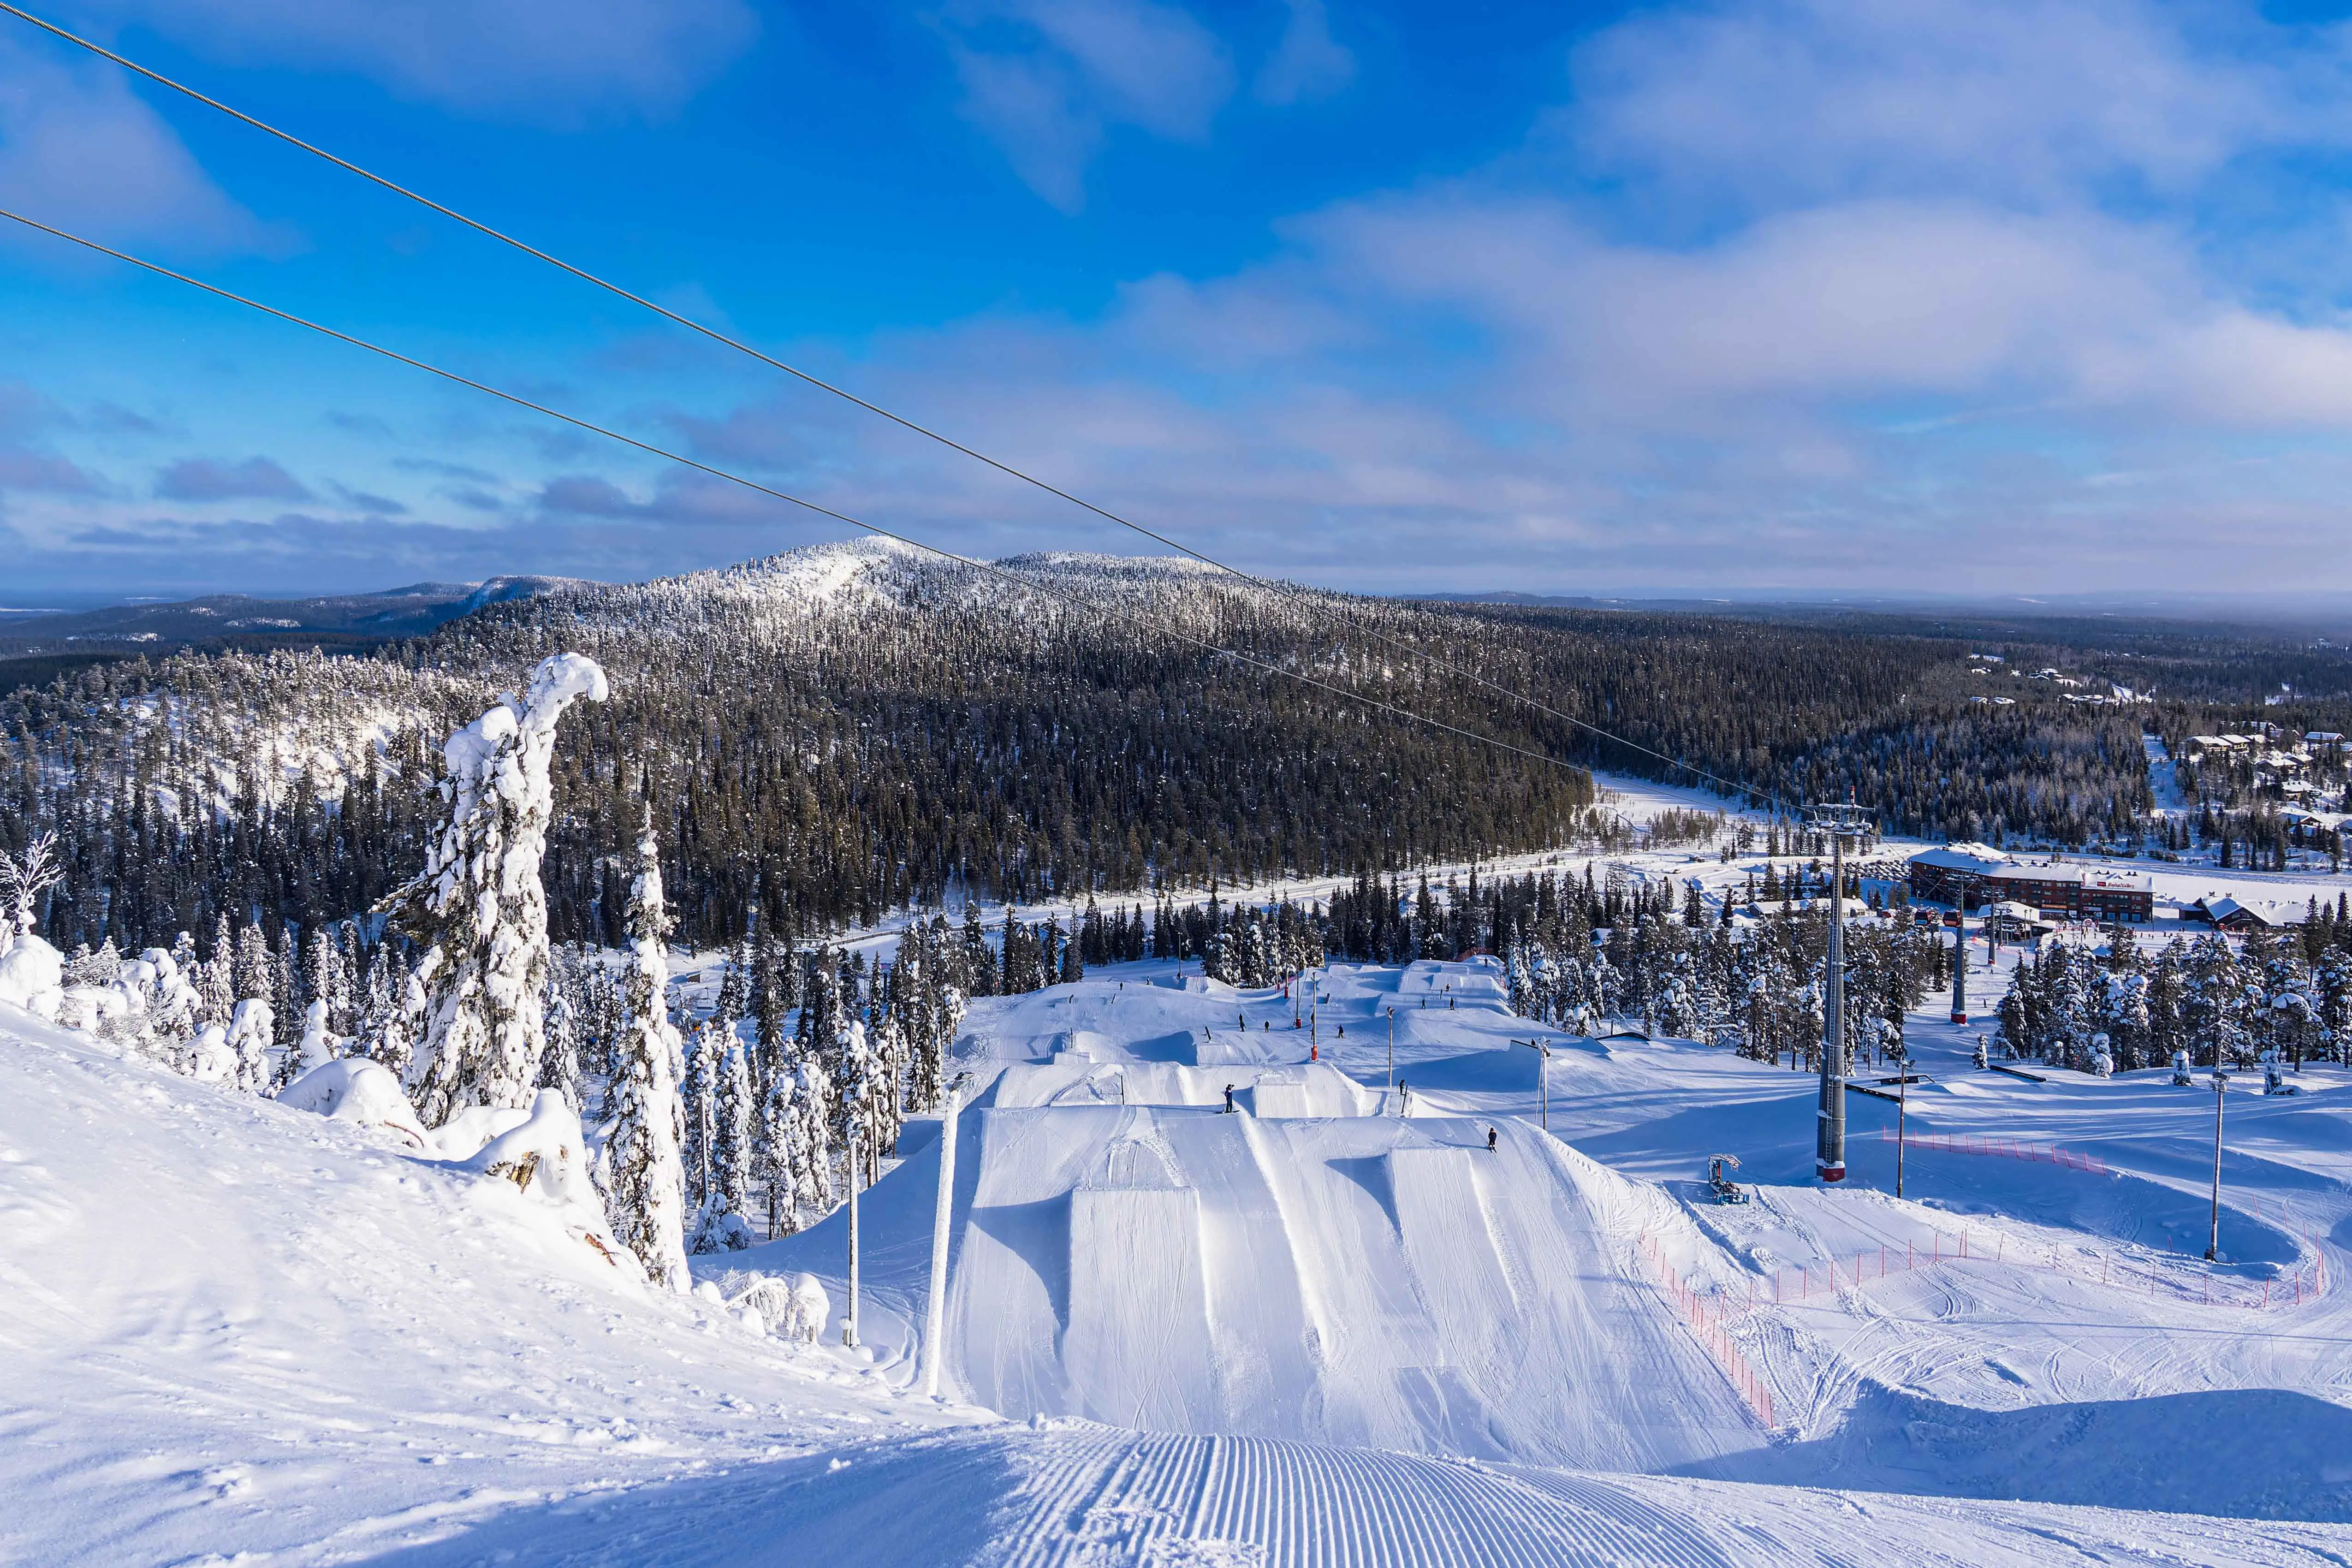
(1316, 1330)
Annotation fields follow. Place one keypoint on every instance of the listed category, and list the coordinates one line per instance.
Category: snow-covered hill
(231, 1331)
(230, 1326)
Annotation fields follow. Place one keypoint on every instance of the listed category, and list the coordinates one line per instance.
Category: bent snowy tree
(479, 914)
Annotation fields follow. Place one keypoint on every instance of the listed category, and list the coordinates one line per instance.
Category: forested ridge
(840, 731)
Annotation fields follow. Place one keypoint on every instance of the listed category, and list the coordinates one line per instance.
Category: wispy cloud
(1047, 79)
(217, 479)
(79, 150)
(1309, 63)
(548, 60)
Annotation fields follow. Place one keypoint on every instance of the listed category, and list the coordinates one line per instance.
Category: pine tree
(731, 1137)
(287, 1002)
(698, 1094)
(978, 964)
(645, 1181)
(479, 914)
(395, 1001)
(250, 1033)
(251, 975)
(559, 1062)
(324, 978)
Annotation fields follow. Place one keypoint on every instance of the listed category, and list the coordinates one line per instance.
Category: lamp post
(849, 1323)
(1902, 1113)
(1960, 957)
(1543, 1081)
(2221, 1092)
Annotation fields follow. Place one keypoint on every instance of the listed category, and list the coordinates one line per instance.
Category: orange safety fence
(2006, 1147)
(1707, 1320)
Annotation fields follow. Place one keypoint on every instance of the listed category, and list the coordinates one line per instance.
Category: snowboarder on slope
(1229, 1100)
(1490, 1140)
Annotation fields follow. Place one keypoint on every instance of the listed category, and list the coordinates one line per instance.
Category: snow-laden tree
(479, 914)
(721, 1226)
(325, 978)
(387, 1031)
(25, 881)
(792, 1144)
(878, 1056)
(216, 976)
(645, 1180)
(558, 1060)
(253, 976)
(251, 1030)
(699, 1104)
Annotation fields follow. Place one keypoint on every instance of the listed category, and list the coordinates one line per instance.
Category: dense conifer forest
(842, 731)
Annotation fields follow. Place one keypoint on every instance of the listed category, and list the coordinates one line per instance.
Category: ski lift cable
(1288, 590)
(990, 568)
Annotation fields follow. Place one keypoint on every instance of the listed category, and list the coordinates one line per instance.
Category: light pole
(1392, 1049)
(1841, 823)
(1960, 958)
(1901, 1110)
(2221, 1092)
(1543, 1080)
(849, 1323)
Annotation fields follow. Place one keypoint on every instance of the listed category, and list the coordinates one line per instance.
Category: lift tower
(1841, 823)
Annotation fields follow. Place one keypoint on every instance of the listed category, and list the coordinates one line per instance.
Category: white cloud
(79, 150)
(1047, 79)
(1307, 63)
(559, 59)
(1772, 101)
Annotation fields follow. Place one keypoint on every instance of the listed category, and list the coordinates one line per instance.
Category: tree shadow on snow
(2249, 1453)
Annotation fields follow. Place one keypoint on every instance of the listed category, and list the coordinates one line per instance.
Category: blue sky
(1871, 295)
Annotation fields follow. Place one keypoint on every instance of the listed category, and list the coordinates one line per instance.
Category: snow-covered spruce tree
(251, 1030)
(645, 1179)
(479, 914)
(324, 978)
(558, 1060)
(881, 1092)
(815, 1101)
(699, 1099)
(216, 976)
(286, 996)
(772, 1133)
(252, 974)
(387, 1032)
(721, 1226)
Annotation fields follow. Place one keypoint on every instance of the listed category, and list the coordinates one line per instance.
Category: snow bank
(546, 1157)
(32, 976)
(234, 1332)
(794, 1306)
(357, 1090)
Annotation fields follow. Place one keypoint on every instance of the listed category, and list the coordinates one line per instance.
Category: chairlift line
(990, 568)
(1274, 584)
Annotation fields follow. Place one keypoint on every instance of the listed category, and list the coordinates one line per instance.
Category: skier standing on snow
(1490, 1140)
(1229, 1100)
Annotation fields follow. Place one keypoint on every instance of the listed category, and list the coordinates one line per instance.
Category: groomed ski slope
(1075, 1495)
(227, 1328)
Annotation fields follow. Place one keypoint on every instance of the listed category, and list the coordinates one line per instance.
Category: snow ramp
(1357, 1280)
